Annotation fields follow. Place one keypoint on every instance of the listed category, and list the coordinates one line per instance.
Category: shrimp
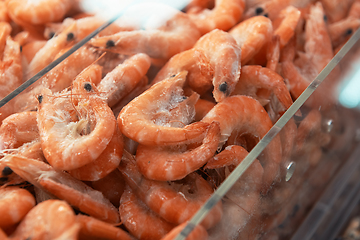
(251, 35)
(92, 227)
(224, 15)
(143, 118)
(124, 78)
(217, 51)
(64, 143)
(177, 34)
(267, 87)
(51, 219)
(17, 129)
(63, 186)
(202, 107)
(342, 30)
(354, 11)
(198, 233)
(30, 49)
(336, 10)
(104, 164)
(273, 53)
(169, 164)
(15, 203)
(38, 12)
(166, 198)
(111, 186)
(242, 116)
(270, 9)
(139, 219)
(4, 16)
(5, 30)
(10, 73)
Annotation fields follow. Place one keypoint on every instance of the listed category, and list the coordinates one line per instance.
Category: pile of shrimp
(129, 136)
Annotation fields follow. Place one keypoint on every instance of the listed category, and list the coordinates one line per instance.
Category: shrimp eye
(223, 87)
(172, 75)
(266, 15)
(20, 48)
(325, 18)
(6, 171)
(110, 43)
(40, 98)
(349, 31)
(51, 35)
(259, 10)
(88, 87)
(70, 36)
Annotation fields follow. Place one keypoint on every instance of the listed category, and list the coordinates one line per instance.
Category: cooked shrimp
(223, 16)
(17, 129)
(169, 164)
(166, 198)
(108, 160)
(53, 46)
(198, 233)
(217, 51)
(15, 203)
(354, 10)
(202, 107)
(273, 53)
(111, 186)
(10, 73)
(5, 30)
(139, 220)
(92, 227)
(64, 143)
(251, 35)
(267, 87)
(336, 10)
(231, 156)
(143, 118)
(341, 31)
(177, 34)
(124, 78)
(63, 186)
(38, 12)
(4, 16)
(270, 9)
(242, 116)
(285, 24)
(51, 219)
(30, 49)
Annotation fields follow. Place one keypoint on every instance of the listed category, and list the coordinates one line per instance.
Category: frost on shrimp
(150, 118)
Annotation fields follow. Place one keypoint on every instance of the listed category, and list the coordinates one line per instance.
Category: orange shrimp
(251, 35)
(64, 145)
(223, 16)
(341, 31)
(354, 10)
(336, 10)
(30, 49)
(63, 186)
(10, 72)
(177, 34)
(242, 116)
(15, 203)
(51, 219)
(38, 12)
(17, 129)
(124, 78)
(143, 118)
(216, 51)
(139, 219)
(267, 87)
(273, 53)
(169, 164)
(5, 30)
(92, 227)
(108, 160)
(269, 9)
(111, 186)
(4, 16)
(166, 198)
(198, 233)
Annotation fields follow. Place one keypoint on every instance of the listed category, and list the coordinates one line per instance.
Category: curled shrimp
(341, 30)
(71, 141)
(91, 227)
(124, 78)
(241, 116)
(141, 222)
(198, 233)
(251, 35)
(223, 16)
(267, 87)
(216, 51)
(143, 118)
(38, 12)
(336, 10)
(177, 34)
(63, 186)
(167, 164)
(166, 198)
(15, 203)
(17, 129)
(51, 219)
